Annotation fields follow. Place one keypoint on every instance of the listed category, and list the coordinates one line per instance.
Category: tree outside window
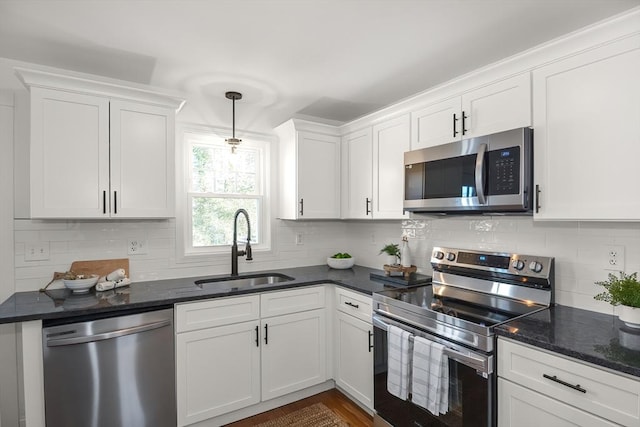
(221, 182)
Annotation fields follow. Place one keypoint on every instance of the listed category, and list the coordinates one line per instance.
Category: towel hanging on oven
(430, 376)
(399, 362)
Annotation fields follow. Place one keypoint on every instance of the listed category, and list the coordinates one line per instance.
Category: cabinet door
(357, 182)
(497, 107)
(142, 161)
(69, 155)
(586, 111)
(293, 352)
(390, 140)
(521, 407)
(218, 371)
(436, 124)
(318, 176)
(354, 360)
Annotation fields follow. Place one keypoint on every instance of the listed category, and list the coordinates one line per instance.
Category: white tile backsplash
(579, 248)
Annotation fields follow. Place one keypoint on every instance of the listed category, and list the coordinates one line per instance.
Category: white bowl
(340, 263)
(81, 286)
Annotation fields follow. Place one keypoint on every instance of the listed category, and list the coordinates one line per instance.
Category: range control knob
(535, 266)
(438, 255)
(451, 256)
(517, 264)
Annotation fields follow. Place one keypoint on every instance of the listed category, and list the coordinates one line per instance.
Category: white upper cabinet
(373, 170)
(390, 140)
(69, 155)
(95, 150)
(309, 170)
(357, 185)
(436, 124)
(142, 160)
(496, 107)
(587, 125)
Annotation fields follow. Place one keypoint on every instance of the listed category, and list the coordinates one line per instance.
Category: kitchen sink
(244, 281)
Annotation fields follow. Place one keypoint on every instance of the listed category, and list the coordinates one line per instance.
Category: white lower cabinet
(354, 360)
(353, 335)
(293, 352)
(235, 352)
(537, 387)
(520, 407)
(218, 371)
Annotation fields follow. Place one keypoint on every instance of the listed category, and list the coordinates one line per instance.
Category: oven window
(448, 178)
(470, 396)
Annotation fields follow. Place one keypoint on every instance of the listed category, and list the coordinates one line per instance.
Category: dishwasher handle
(108, 335)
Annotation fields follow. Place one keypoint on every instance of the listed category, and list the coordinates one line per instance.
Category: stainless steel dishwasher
(112, 372)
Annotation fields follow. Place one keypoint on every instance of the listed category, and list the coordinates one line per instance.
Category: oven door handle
(482, 149)
(483, 364)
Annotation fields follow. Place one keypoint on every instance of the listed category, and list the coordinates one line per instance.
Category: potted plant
(393, 253)
(623, 291)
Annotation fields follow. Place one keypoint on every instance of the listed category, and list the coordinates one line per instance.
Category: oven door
(472, 386)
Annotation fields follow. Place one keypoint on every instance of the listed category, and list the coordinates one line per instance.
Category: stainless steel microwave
(487, 174)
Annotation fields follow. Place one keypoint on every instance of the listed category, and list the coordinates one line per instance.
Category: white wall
(579, 248)
(8, 367)
(87, 240)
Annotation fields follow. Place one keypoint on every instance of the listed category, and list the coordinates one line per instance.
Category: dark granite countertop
(62, 303)
(592, 337)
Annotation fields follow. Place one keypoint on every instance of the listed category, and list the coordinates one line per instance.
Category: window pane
(215, 169)
(202, 169)
(213, 220)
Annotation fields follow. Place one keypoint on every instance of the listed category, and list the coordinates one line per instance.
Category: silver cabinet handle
(482, 149)
(108, 335)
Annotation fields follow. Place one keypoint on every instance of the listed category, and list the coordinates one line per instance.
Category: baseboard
(261, 407)
(356, 401)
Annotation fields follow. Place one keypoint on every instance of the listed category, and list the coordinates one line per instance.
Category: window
(219, 183)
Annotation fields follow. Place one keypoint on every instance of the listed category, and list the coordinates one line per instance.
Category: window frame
(185, 251)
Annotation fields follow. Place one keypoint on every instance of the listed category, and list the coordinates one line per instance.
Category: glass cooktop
(481, 310)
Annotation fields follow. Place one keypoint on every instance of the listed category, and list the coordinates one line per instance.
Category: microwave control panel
(504, 171)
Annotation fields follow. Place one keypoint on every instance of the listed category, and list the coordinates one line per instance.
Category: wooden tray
(406, 271)
(101, 267)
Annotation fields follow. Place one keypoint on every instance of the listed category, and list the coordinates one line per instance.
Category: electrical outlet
(299, 240)
(137, 247)
(615, 257)
(372, 240)
(36, 251)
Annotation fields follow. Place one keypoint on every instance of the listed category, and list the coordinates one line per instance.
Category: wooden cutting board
(101, 267)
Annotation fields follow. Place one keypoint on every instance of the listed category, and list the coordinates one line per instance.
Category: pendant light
(233, 141)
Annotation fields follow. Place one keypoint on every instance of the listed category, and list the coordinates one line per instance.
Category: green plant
(391, 249)
(341, 255)
(624, 290)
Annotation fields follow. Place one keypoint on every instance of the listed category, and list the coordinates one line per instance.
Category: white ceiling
(332, 59)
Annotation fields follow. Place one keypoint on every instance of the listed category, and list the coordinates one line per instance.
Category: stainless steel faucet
(235, 253)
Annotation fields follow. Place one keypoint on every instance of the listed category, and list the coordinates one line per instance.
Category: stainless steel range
(471, 293)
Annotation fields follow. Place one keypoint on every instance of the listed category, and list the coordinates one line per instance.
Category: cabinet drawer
(293, 301)
(354, 303)
(602, 393)
(521, 407)
(216, 312)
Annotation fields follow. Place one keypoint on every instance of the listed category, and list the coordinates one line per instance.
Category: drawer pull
(352, 304)
(559, 381)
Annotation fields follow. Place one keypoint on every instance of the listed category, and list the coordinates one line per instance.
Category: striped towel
(430, 376)
(398, 362)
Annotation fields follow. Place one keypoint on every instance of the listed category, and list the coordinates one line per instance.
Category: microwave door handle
(482, 198)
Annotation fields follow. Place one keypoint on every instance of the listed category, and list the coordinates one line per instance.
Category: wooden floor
(332, 399)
